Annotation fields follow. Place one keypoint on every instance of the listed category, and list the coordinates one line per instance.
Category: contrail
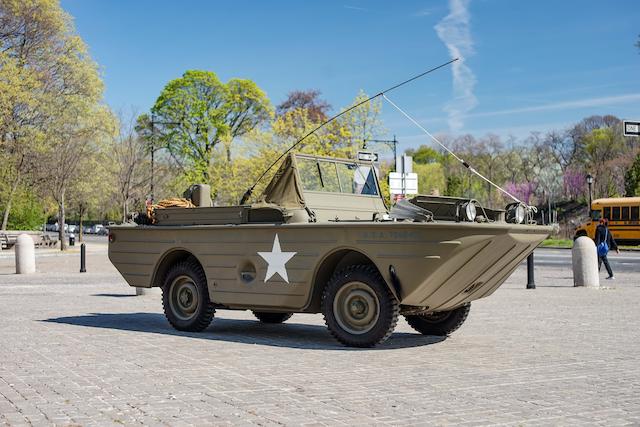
(454, 32)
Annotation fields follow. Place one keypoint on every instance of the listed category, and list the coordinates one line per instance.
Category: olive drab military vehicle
(322, 240)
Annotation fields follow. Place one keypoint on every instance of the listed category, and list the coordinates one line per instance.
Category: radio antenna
(249, 192)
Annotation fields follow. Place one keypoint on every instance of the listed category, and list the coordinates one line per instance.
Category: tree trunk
(7, 208)
(61, 222)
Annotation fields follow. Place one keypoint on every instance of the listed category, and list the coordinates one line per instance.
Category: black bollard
(531, 284)
(83, 256)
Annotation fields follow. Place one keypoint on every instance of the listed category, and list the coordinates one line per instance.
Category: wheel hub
(356, 308)
(183, 299)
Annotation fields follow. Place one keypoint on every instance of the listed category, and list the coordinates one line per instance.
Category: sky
(526, 65)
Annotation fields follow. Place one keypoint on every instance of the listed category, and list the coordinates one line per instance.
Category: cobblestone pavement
(79, 349)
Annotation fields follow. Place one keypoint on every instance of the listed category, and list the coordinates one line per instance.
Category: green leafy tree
(52, 108)
(431, 178)
(362, 123)
(197, 113)
(424, 155)
(632, 179)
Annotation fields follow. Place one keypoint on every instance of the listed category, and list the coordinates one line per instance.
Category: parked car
(97, 229)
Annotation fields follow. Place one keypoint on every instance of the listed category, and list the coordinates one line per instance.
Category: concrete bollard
(25, 255)
(585, 263)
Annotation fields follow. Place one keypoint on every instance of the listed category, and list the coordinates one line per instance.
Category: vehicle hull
(436, 265)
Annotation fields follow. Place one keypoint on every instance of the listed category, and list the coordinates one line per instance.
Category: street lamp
(590, 182)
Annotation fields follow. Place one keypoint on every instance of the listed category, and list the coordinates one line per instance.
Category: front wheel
(358, 307)
(185, 297)
(441, 323)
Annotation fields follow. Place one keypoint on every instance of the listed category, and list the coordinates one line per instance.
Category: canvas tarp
(284, 189)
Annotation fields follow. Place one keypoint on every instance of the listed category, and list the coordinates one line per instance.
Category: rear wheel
(185, 297)
(267, 317)
(441, 323)
(358, 307)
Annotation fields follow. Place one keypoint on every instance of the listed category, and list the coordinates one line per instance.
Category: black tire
(185, 297)
(267, 317)
(441, 323)
(358, 307)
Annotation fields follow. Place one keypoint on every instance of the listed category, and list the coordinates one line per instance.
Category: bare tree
(132, 170)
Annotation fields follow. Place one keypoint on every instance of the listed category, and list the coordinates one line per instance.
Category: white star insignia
(276, 260)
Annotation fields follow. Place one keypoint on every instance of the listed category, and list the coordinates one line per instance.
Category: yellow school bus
(623, 214)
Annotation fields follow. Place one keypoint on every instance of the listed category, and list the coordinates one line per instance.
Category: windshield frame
(335, 162)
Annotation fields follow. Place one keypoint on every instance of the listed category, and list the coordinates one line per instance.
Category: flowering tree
(522, 190)
(573, 182)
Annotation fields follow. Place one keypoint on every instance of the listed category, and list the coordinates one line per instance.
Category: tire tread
(204, 318)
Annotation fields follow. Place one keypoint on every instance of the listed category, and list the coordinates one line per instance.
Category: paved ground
(79, 349)
(625, 261)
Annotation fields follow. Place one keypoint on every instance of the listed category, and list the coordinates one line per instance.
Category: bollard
(531, 284)
(83, 258)
(72, 239)
(25, 255)
(585, 263)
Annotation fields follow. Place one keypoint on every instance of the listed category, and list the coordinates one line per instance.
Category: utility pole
(393, 143)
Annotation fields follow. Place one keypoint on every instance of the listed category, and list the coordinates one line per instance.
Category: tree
(197, 112)
(431, 178)
(30, 33)
(424, 155)
(77, 142)
(362, 123)
(308, 100)
(632, 178)
(51, 110)
(603, 149)
(129, 165)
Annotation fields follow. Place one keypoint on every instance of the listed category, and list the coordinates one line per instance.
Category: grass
(557, 243)
(568, 244)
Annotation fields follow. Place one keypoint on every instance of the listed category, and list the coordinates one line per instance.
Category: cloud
(348, 6)
(564, 105)
(454, 32)
(424, 12)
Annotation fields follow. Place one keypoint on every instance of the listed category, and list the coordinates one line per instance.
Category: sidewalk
(79, 348)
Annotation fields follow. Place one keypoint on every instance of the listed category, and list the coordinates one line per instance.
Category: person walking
(605, 241)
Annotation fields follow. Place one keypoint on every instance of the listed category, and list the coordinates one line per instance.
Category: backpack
(603, 247)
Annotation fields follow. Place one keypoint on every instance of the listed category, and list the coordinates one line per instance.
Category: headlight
(467, 212)
(516, 213)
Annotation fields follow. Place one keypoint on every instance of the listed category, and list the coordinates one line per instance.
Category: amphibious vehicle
(322, 240)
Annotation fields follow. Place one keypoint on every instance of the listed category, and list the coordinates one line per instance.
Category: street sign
(631, 128)
(404, 164)
(366, 156)
(403, 183)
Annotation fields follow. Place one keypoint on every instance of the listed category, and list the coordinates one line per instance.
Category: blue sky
(535, 65)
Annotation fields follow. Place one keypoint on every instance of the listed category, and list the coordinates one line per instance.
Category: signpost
(403, 181)
(631, 127)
